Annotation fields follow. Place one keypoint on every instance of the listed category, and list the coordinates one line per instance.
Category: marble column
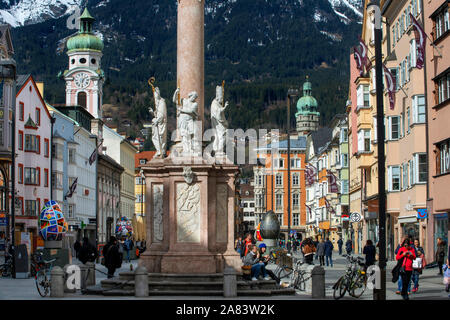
(190, 50)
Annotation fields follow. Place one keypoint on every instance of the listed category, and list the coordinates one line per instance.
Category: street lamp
(291, 94)
(380, 293)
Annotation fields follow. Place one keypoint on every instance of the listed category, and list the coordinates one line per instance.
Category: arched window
(82, 99)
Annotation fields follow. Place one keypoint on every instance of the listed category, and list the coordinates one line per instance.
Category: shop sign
(422, 214)
(3, 222)
(355, 217)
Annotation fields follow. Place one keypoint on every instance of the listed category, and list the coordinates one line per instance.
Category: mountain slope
(260, 47)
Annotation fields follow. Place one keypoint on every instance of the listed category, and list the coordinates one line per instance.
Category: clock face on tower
(82, 80)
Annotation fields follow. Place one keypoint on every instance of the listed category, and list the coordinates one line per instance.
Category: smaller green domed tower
(85, 78)
(307, 111)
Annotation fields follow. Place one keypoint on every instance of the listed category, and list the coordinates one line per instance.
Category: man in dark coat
(349, 246)
(77, 247)
(87, 252)
(112, 256)
(340, 243)
(329, 252)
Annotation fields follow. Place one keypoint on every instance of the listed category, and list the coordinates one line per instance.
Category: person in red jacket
(407, 255)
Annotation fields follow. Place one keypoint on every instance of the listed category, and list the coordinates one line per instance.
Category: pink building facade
(33, 149)
(437, 27)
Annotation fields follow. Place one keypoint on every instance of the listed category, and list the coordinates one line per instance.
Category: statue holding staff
(159, 122)
(218, 120)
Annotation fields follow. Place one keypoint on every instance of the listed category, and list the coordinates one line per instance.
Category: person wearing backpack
(112, 256)
(406, 255)
(87, 252)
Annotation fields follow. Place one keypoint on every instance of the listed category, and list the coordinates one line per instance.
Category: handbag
(396, 270)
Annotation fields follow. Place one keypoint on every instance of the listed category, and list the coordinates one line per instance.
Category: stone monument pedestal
(190, 212)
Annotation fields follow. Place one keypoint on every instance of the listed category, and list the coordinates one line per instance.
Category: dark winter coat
(87, 253)
(112, 256)
(321, 249)
(328, 248)
(370, 252)
(348, 245)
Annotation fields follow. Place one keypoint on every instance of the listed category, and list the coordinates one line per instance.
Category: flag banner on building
(72, 189)
(332, 182)
(358, 60)
(421, 40)
(310, 173)
(309, 209)
(93, 157)
(258, 233)
(329, 207)
(391, 85)
(364, 51)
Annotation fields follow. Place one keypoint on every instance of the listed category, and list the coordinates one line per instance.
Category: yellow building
(140, 159)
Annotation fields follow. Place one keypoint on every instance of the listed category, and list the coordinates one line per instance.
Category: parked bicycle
(299, 276)
(6, 268)
(282, 271)
(42, 273)
(354, 280)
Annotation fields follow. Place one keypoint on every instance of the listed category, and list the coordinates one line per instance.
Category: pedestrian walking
(112, 256)
(369, 251)
(349, 246)
(76, 248)
(121, 247)
(252, 260)
(406, 254)
(316, 244)
(400, 282)
(440, 254)
(308, 250)
(87, 252)
(329, 247)
(128, 244)
(418, 264)
(340, 243)
(321, 252)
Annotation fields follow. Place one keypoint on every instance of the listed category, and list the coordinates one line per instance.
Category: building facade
(406, 157)
(109, 174)
(437, 68)
(7, 107)
(271, 183)
(140, 159)
(247, 203)
(123, 152)
(33, 160)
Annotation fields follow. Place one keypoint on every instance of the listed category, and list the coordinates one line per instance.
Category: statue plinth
(190, 216)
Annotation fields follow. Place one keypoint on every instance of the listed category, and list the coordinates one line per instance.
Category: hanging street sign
(355, 217)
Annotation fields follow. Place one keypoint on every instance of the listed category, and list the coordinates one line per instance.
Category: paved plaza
(430, 286)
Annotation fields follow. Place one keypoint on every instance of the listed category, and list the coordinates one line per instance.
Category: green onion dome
(85, 39)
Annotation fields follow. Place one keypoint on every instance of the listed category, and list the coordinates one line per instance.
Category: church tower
(84, 78)
(307, 111)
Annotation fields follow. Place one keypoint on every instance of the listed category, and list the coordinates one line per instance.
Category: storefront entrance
(440, 227)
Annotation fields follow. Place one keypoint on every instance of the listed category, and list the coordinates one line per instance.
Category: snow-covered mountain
(25, 12)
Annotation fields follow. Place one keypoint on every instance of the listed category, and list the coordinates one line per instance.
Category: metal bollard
(141, 282)
(229, 282)
(84, 271)
(318, 282)
(57, 283)
(91, 274)
(66, 276)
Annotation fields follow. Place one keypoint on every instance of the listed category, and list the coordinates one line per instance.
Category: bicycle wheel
(300, 282)
(359, 286)
(284, 272)
(42, 283)
(340, 288)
